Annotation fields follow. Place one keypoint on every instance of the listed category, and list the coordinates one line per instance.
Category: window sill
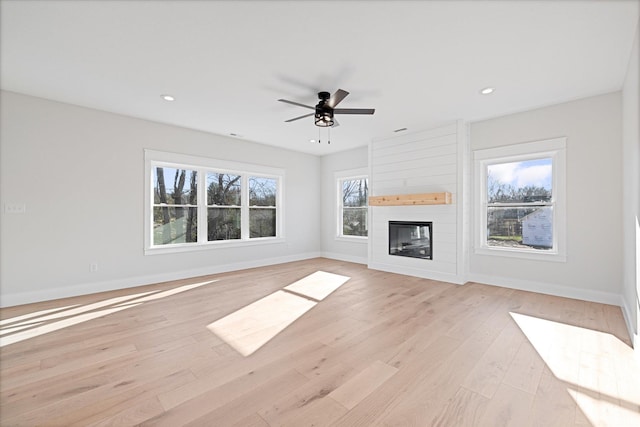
(523, 254)
(177, 248)
(353, 239)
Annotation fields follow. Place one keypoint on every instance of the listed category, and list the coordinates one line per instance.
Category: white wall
(80, 173)
(332, 247)
(631, 191)
(594, 199)
(420, 162)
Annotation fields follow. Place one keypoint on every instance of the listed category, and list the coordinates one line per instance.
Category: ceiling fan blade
(298, 118)
(335, 123)
(296, 103)
(354, 111)
(337, 97)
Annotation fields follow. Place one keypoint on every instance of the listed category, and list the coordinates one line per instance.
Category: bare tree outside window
(191, 205)
(224, 200)
(175, 213)
(355, 194)
(262, 207)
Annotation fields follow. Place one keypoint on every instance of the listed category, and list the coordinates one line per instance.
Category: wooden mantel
(411, 199)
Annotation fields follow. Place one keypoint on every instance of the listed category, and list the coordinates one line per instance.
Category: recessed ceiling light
(312, 140)
(487, 90)
(167, 97)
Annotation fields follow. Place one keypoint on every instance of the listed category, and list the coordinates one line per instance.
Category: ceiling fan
(326, 108)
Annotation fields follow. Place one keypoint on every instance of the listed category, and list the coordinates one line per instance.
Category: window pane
(223, 189)
(520, 227)
(174, 186)
(519, 182)
(354, 221)
(174, 225)
(223, 223)
(262, 191)
(262, 223)
(354, 192)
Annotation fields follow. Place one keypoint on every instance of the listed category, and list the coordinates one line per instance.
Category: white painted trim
(9, 300)
(154, 158)
(363, 240)
(462, 201)
(343, 257)
(338, 178)
(547, 288)
(553, 148)
(541, 255)
(226, 166)
(417, 272)
(628, 320)
(216, 244)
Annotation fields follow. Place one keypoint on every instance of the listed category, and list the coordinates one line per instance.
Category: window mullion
(202, 206)
(340, 206)
(244, 209)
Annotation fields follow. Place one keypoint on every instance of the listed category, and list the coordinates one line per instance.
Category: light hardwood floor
(382, 349)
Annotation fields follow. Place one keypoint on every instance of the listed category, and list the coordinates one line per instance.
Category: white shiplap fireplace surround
(429, 161)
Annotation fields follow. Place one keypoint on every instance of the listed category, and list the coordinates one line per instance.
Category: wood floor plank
(553, 406)
(231, 412)
(464, 409)
(380, 349)
(491, 368)
(310, 400)
(525, 370)
(357, 388)
(509, 407)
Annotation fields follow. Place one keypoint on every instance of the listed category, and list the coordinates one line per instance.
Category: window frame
(246, 196)
(340, 177)
(203, 165)
(555, 149)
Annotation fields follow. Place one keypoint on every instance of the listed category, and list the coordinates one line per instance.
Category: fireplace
(411, 239)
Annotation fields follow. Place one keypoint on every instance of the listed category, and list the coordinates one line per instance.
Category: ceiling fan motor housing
(324, 96)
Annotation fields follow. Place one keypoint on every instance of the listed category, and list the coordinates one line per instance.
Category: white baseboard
(416, 272)
(347, 258)
(626, 307)
(9, 300)
(548, 288)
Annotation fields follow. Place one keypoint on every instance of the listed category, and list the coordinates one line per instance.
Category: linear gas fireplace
(411, 239)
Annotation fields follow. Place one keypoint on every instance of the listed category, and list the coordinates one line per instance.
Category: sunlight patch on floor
(601, 411)
(168, 293)
(12, 329)
(602, 372)
(251, 327)
(318, 285)
(34, 314)
(55, 326)
(35, 324)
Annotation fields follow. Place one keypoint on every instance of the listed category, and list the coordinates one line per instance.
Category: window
(262, 207)
(198, 203)
(175, 213)
(224, 201)
(520, 200)
(353, 192)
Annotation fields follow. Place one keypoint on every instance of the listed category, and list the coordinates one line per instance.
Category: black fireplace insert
(411, 239)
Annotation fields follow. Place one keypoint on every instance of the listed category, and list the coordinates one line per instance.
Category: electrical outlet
(15, 208)
(93, 267)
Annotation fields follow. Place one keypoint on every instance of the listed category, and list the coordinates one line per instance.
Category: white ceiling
(417, 63)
